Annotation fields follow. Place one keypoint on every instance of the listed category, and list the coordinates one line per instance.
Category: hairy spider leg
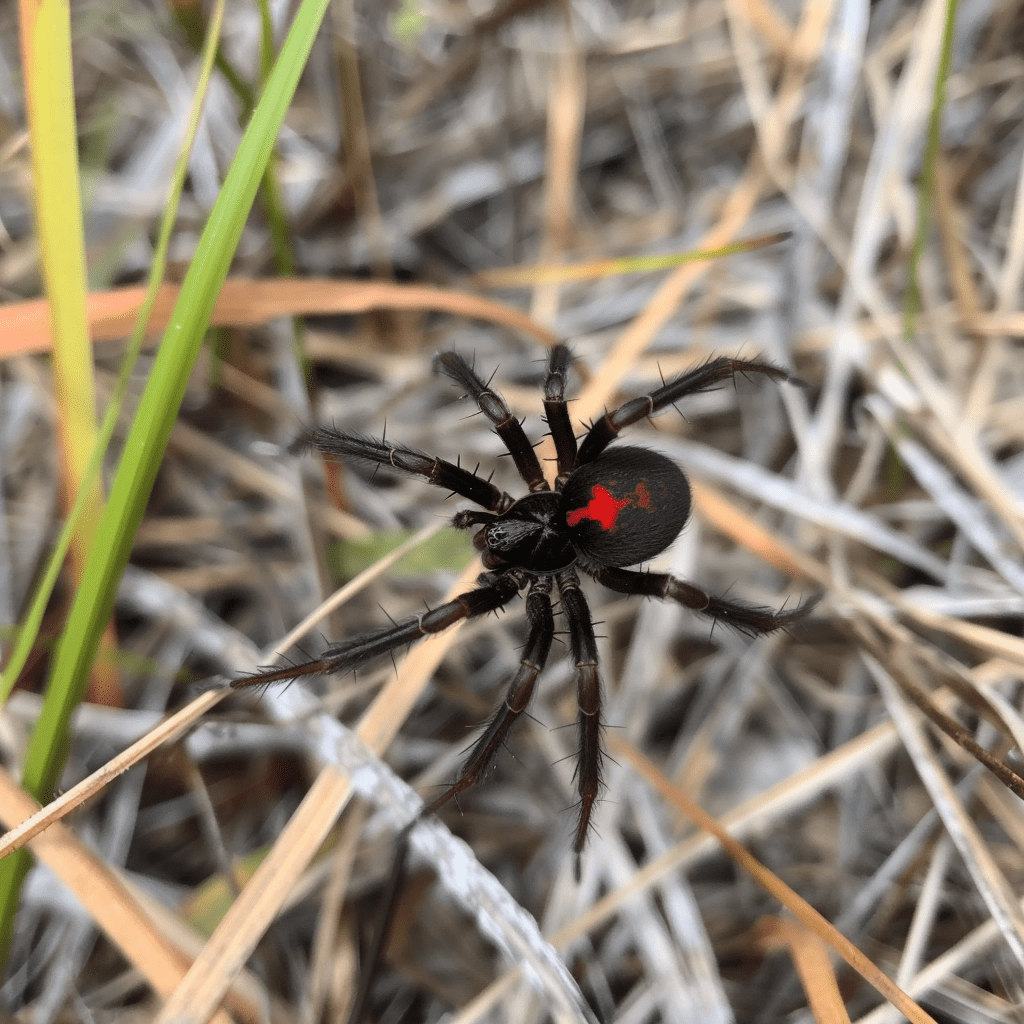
(345, 445)
(495, 591)
(540, 633)
(746, 618)
(556, 412)
(496, 409)
(703, 378)
(583, 645)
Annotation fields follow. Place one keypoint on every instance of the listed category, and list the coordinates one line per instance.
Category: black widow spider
(611, 507)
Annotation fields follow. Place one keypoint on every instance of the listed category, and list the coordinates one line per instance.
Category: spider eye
(627, 506)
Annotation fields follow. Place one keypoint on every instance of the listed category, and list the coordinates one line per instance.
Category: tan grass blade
(109, 902)
(810, 955)
(794, 903)
(25, 327)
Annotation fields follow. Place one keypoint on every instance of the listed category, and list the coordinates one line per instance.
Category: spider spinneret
(611, 507)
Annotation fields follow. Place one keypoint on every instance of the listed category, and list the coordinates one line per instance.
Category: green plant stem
(151, 429)
(29, 631)
(926, 186)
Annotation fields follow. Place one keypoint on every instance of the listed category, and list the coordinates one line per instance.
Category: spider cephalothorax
(610, 507)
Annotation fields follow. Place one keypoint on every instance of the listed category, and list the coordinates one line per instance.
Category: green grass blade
(151, 428)
(50, 103)
(926, 186)
(29, 630)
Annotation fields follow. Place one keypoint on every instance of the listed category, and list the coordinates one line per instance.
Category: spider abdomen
(626, 506)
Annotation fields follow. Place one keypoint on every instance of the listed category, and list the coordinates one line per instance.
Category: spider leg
(495, 590)
(495, 408)
(538, 643)
(344, 444)
(703, 378)
(747, 618)
(557, 412)
(583, 644)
